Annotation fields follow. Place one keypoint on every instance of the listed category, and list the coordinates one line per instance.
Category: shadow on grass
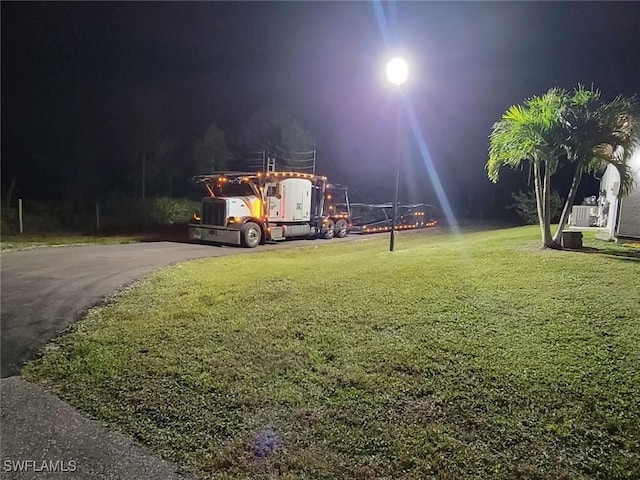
(620, 253)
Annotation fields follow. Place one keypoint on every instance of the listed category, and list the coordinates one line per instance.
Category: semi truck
(253, 208)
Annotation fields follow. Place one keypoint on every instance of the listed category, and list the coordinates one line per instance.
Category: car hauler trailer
(250, 209)
(373, 218)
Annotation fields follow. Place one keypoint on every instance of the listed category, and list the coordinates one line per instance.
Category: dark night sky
(202, 63)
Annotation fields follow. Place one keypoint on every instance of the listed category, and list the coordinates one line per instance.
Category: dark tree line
(136, 150)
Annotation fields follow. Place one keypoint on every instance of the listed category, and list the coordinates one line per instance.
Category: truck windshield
(233, 190)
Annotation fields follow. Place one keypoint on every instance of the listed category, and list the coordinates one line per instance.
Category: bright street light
(397, 71)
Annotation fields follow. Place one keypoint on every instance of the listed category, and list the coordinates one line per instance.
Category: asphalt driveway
(45, 290)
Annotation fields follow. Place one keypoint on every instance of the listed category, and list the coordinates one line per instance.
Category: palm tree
(577, 129)
(533, 133)
(597, 134)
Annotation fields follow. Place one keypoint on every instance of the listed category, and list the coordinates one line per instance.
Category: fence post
(97, 217)
(20, 215)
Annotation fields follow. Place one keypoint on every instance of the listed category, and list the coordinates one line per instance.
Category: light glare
(397, 71)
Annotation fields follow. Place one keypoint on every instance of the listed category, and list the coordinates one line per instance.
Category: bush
(8, 221)
(128, 212)
(164, 210)
(37, 217)
(115, 213)
(526, 206)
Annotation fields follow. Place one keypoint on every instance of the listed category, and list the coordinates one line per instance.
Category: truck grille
(214, 213)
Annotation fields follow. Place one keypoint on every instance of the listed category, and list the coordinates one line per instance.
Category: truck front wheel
(250, 235)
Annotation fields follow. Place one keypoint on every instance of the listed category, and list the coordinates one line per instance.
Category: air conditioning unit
(583, 215)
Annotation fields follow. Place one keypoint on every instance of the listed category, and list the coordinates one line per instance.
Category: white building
(618, 217)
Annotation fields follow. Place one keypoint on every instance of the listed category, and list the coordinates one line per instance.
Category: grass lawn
(472, 357)
(21, 242)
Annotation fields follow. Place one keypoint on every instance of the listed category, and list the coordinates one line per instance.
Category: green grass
(21, 242)
(477, 357)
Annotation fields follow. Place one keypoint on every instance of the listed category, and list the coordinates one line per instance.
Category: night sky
(71, 70)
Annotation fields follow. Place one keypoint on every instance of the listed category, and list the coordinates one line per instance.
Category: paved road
(45, 290)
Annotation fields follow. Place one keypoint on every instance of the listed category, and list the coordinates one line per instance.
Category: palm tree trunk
(536, 187)
(566, 211)
(546, 195)
(537, 182)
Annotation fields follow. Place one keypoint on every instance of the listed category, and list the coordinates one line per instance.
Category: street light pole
(397, 73)
(392, 238)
